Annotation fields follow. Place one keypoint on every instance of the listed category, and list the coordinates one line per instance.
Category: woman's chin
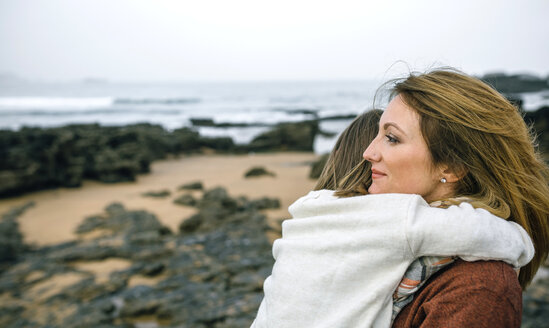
(373, 189)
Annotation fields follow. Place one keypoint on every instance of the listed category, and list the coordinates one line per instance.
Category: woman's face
(401, 162)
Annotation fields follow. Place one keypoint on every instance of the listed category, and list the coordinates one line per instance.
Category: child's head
(345, 169)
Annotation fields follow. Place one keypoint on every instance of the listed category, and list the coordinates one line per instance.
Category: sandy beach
(58, 212)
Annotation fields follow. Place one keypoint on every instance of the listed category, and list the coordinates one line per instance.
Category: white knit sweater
(340, 259)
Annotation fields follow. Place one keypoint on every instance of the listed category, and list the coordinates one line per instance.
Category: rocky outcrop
(157, 193)
(210, 123)
(11, 239)
(36, 158)
(535, 300)
(258, 171)
(185, 200)
(196, 185)
(210, 274)
(515, 83)
(286, 137)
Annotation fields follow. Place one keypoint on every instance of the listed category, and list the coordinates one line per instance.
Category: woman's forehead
(399, 114)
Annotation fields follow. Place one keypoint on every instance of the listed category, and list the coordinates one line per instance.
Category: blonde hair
(345, 167)
(482, 137)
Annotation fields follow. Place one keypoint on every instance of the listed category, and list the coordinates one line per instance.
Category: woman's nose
(370, 153)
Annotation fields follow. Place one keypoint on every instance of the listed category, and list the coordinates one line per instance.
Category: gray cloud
(253, 40)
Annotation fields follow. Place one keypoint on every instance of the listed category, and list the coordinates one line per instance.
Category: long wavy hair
(345, 168)
(483, 138)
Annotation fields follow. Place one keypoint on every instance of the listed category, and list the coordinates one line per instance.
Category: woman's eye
(391, 139)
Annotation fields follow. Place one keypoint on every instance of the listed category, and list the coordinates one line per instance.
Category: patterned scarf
(421, 269)
(416, 275)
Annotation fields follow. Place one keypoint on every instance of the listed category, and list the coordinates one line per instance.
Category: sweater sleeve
(472, 234)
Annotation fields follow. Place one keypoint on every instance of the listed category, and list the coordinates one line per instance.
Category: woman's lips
(377, 174)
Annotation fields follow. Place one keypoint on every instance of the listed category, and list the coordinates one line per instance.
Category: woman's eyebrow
(386, 125)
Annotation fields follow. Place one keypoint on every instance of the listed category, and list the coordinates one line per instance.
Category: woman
(379, 240)
(448, 136)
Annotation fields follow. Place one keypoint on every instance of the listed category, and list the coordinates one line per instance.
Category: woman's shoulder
(464, 294)
(471, 279)
(496, 276)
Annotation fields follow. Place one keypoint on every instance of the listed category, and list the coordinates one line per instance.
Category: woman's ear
(453, 174)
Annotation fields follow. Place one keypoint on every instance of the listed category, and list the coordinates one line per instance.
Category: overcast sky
(134, 40)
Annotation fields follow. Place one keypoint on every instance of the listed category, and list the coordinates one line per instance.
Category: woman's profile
(483, 140)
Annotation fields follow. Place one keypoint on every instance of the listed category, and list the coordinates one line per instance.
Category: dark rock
(139, 300)
(304, 111)
(90, 223)
(258, 171)
(89, 252)
(202, 122)
(211, 277)
(248, 279)
(127, 222)
(97, 313)
(338, 117)
(236, 322)
(515, 83)
(196, 185)
(265, 203)
(150, 237)
(186, 200)
(40, 158)
(158, 194)
(13, 321)
(214, 207)
(115, 209)
(327, 134)
(241, 125)
(318, 166)
(109, 167)
(11, 239)
(535, 301)
(218, 197)
(210, 123)
(286, 137)
(87, 289)
(218, 194)
(191, 224)
(44, 158)
(220, 144)
(187, 140)
(153, 269)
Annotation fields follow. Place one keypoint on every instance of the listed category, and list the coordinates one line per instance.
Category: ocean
(252, 106)
(172, 105)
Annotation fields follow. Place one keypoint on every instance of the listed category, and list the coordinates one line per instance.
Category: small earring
(443, 180)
